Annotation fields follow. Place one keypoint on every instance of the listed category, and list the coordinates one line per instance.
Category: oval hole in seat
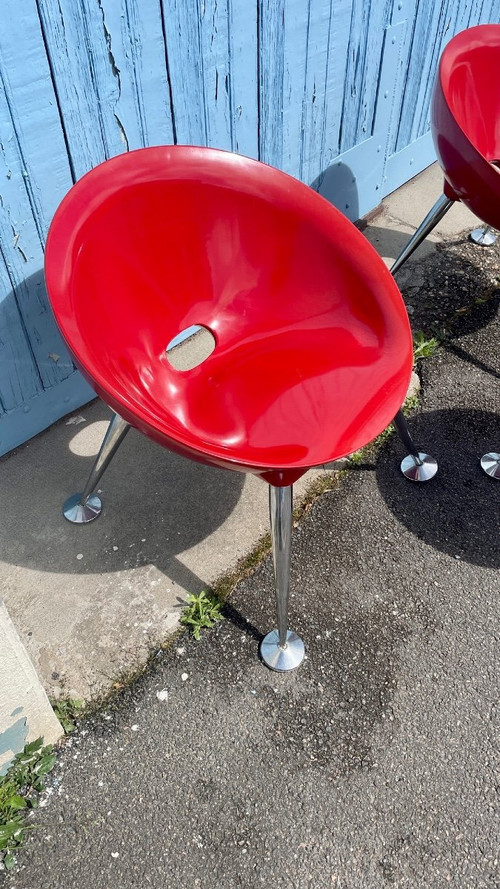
(190, 347)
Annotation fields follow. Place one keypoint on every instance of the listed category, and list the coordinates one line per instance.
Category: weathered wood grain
(34, 175)
(110, 71)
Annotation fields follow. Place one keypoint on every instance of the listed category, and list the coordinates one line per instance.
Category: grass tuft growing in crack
(19, 790)
(67, 711)
(203, 610)
(424, 346)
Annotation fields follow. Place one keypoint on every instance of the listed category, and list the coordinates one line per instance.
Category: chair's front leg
(86, 506)
(485, 237)
(417, 466)
(491, 465)
(281, 649)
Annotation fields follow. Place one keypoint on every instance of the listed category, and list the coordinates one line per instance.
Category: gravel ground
(376, 763)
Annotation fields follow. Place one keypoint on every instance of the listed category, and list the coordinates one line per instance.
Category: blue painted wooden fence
(335, 92)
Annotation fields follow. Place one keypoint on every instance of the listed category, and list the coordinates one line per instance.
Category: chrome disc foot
(282, 659)
(419, 470)
(77, 512)
(483, 236)
(491, 465)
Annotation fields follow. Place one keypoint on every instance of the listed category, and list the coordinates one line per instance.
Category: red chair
(313, 349)
(466, 133)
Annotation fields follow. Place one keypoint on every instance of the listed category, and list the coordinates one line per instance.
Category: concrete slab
(411, 203)
(25, 711)
(90, 601)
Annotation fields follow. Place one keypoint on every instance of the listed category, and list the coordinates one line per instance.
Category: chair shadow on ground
(458, 512)
(155, 504)
(450, 292)
(479, 315)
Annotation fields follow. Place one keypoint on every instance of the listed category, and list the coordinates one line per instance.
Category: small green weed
(411, 404)
(202, 611)
(19, 789)
(423, 346)
(67, 711)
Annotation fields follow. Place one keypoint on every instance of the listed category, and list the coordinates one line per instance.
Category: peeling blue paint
(12, 740)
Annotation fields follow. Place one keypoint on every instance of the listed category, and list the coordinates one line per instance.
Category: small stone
(162, 695)
(115, 855)
(134, 728)
(115, 549)
(184, 676)
(79, 556)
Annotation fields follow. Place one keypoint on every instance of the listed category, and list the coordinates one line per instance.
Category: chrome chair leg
(281, 649)
(485, 237)
(417, 466)
(434, 215)
(86, 506)
(491, 465)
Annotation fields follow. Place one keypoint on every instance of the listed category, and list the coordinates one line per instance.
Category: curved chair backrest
(313, 346)
(466, 120)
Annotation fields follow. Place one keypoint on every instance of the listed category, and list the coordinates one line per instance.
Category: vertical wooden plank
(185, 59)
(293, 53)
(489, 12)
(215, 57)
(331, 112)
(108, 62)
(243, 76)
(29, 114)
(19, 380)
(66, 34)
(364, 55)
(312, 133)
(444, 26)
(271, 80)
(212, 59)
(297, 17)
(136, 42)
(34, 173)
(420, 48)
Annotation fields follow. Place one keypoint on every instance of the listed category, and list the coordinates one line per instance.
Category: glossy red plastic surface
(313, 348)
(466, 120)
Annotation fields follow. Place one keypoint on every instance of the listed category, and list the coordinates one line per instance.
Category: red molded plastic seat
(466, 120)
(312, 346)
(466, 132)
(313, 350)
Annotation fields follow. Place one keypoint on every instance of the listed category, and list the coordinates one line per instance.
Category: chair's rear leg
(491, 465)
(418, 467)
(86, 506)
(434, 215)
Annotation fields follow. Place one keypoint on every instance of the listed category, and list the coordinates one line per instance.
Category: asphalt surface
(376, 763)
